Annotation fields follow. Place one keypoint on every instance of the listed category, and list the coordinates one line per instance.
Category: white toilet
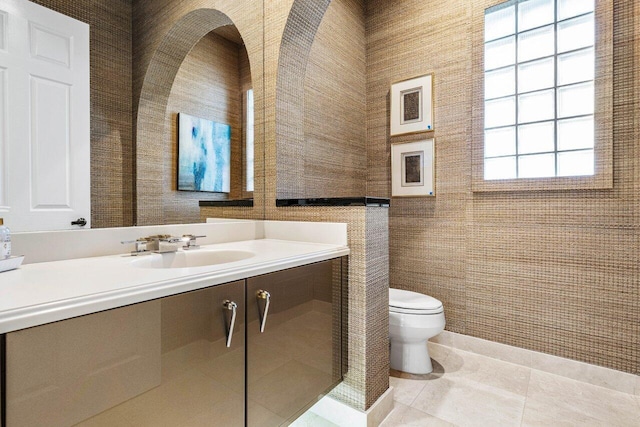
(413, 319)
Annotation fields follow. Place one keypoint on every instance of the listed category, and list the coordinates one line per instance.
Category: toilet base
(412, 358)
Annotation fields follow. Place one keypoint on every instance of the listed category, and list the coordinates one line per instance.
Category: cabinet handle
(263, 317)
(233, 307)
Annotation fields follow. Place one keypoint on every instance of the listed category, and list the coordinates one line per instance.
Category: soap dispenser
(5, 241)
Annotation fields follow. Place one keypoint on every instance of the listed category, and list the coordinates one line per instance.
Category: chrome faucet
(141, 246)
(190, 241)
(162, 243)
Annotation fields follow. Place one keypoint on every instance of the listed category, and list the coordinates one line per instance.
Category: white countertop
(46, 292)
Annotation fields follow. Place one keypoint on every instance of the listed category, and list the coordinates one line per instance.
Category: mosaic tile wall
(293, 59)
(111, 128)
(208, 86)
(164, 33)
(334, 153)
(552, 271)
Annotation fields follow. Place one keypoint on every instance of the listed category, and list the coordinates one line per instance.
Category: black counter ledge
(336, 201)
(227, 203)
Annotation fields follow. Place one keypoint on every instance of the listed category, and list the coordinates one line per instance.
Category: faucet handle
(190, 241)
(141, 245)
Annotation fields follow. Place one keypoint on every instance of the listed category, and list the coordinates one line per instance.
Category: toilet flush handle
(266, 296)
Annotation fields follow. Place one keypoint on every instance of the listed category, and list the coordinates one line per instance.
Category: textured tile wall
(293, 60)
(111, 125)
(334, 151)
(208, 86)
(551, 271)
(164, 33)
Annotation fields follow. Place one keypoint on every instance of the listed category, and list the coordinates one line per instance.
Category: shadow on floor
(438, 371)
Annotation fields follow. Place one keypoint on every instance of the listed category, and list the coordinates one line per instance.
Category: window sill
(597, 182)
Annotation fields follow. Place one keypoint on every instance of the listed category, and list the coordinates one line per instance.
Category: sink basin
(195, 258)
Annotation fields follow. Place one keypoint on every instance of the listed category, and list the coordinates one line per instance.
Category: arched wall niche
(154, 93)
(299, 33)
(321, 101)
(312, 51)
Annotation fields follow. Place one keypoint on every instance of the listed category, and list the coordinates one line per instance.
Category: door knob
(80, 221)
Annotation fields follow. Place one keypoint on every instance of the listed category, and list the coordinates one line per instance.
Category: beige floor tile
(467, 402)
(309, 419)
(108, 418)
(403, 415)
(289, 387)
(487, 371)
(562, 400)
(584, 372)
(228, 412)
(259, 416)
(405, 391)
(542, 414)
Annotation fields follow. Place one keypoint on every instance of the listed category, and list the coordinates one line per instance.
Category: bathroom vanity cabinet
(252, 352)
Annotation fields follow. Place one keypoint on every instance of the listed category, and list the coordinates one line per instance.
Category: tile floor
(467, 389)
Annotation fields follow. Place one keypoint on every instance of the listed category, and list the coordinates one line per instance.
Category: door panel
(162, 362)
(44, 112)
(50, 130)
(4, 172)
(48, 45)
(298, 356)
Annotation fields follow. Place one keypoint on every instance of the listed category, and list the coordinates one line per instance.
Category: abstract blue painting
(204, 155)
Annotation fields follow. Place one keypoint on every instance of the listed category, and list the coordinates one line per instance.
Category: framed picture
(204, 155)
(412, 169)
(412, 105)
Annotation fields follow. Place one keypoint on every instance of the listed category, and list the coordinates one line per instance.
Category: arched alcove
(321, 101)
(320, 42)
(154, 96)
(300, 30)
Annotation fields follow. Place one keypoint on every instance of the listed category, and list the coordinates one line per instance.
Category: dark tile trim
(227, 203)
(336, 201)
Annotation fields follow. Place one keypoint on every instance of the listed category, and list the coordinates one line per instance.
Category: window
(248, 141)
(539, 72)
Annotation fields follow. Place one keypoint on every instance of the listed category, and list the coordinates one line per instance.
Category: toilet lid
(400, 300)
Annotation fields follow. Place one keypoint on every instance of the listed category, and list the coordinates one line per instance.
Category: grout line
(418, 394)
(526, 397)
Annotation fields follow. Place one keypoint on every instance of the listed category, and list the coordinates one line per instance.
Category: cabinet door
(294, 352)
(161, 362)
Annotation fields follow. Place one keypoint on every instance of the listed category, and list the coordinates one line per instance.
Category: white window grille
(539, 68)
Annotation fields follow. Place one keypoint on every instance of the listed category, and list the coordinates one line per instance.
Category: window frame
(247, 193)
(603, 111)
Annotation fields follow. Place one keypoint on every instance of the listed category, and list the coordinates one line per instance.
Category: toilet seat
(407, 302)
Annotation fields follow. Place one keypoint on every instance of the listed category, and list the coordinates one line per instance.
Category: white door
(44, 118)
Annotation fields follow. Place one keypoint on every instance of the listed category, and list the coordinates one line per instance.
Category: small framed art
(412, 169)
(412, 105)
(204, 155)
